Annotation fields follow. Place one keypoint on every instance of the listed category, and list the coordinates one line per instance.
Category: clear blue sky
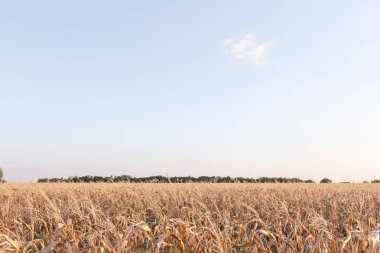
(239, 88)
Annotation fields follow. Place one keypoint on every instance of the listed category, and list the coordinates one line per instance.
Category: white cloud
(247, 49)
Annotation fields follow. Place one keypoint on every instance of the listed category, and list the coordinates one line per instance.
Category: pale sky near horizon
(238, 88)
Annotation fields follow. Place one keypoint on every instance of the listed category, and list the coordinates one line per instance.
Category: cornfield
(124, 217)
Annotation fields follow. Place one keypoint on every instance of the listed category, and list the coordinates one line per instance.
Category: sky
(179, 88)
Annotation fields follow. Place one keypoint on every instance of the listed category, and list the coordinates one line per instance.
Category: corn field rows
(189, 217)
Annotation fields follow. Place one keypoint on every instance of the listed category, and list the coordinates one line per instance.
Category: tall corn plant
(1, 175)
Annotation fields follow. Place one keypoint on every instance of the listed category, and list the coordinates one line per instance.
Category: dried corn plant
(189, 218)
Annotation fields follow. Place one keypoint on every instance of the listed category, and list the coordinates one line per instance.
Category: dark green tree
(326, 181)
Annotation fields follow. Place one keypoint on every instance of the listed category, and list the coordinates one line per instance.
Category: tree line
(163, 179)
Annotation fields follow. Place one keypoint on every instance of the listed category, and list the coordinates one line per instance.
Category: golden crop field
(126, 217)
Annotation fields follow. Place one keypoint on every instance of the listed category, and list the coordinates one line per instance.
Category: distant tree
(326, 181)
(1, 175)
(227, 179)
(294, 180)
(309, 181)
(375, 181)
(365, 182)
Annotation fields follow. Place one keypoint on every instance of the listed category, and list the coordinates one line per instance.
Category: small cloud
(247, 49)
